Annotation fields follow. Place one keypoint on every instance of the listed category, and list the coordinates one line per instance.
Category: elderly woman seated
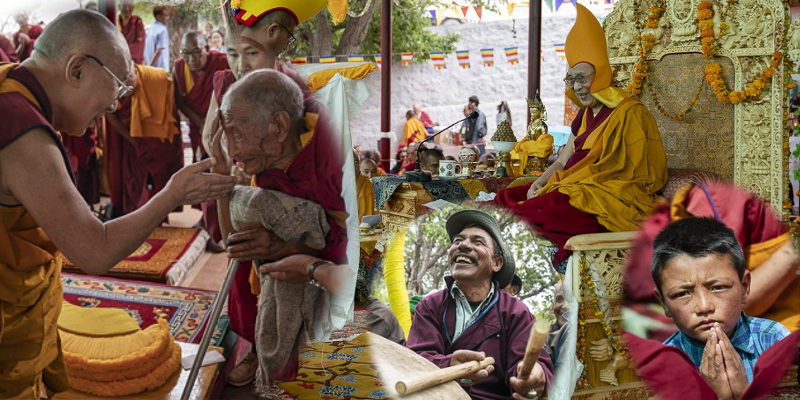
(608, 174)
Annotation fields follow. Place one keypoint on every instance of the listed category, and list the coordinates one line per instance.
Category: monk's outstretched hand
(192, 185)
(533, 191)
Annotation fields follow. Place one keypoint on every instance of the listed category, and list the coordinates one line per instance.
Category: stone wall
(443, 94)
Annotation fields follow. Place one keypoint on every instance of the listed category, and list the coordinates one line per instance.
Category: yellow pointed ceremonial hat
(586, 42)
(249, 11)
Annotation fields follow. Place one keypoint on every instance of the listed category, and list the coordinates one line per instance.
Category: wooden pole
(386, 78)
(539, 333)
(441, 376)
(534, 49)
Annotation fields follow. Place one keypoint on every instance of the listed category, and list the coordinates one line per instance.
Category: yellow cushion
(97, 322)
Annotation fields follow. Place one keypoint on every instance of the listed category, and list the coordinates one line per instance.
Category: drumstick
(441, 376)
(539, 333)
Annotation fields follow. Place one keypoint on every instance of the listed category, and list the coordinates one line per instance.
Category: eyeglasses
(579, 79)
(123, 89)
(195, 53)
(292, 39)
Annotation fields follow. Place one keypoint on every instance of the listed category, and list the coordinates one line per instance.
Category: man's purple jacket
(501, 331)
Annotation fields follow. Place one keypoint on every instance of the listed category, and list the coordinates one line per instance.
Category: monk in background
(413, 130)
(194, 76)
(42, 213)
(26, 36)
(7, 51)
(144, 144)
(132, 29)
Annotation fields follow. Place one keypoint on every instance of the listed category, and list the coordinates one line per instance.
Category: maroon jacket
(501, 332)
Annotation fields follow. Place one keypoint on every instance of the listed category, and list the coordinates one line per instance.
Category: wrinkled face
(368, 168)
(245, 56)
(471, 256)
(195, 56)
(216, 40)
(560, 305)
(579, 79)
(255, 149)
(696, 292)
(126, 9)
(97, 89)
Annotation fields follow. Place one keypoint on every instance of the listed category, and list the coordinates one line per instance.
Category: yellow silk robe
(414, 132)
(366, 197)
(625, 167)
(30, 296)
(542, 147)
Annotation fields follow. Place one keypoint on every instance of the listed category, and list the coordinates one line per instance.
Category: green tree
(426, 257)
(360, 33)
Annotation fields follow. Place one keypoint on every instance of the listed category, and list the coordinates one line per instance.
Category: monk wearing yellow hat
(614, 162)
(257, 32)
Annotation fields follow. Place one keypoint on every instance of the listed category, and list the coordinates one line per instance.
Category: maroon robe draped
(135, 35)
(550, 214)
(7, 51)
(662, 367)
(137, 172)
(83, 156)
(243, 304)
(26, 51)
(198, 100)
(20, 115)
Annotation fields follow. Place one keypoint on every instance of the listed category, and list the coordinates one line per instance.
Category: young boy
(701, 280)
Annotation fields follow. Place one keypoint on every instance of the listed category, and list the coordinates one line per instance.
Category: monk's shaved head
(194, 35)
(81, 31)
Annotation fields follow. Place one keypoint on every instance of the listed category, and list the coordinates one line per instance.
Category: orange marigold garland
(646, 43)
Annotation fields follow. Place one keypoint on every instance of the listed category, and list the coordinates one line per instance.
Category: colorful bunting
(560, 51)
(327, 59)
(434, 22)
(511, 7)
(355, 58)
(488, 57)
(464, 10)
(479, 11)
(299, 60)
(560, 2)
(378, 59)
(438, 59)
(549, 5)
(511, 55)
(407, 57)
(463, 58)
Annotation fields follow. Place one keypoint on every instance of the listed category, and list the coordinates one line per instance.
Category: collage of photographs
(632, 232)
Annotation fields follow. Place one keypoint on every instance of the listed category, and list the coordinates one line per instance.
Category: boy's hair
(695, 237)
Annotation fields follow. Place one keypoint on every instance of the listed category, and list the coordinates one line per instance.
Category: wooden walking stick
(441, 376)
(539, 333)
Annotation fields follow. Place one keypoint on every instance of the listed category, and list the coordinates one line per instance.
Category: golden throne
(745, 143)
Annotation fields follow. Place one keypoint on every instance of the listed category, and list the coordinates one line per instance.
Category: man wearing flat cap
(472, 318)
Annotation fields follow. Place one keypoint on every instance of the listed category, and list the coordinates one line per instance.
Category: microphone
(418, 175)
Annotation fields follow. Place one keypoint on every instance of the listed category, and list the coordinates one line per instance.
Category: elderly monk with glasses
(61, 89)
(194, 74)
(607, 176)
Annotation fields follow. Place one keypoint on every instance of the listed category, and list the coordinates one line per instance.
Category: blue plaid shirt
(752, 337)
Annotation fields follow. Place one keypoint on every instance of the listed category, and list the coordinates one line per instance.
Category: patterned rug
(336, 370)
(164, 257)
(187, 310)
